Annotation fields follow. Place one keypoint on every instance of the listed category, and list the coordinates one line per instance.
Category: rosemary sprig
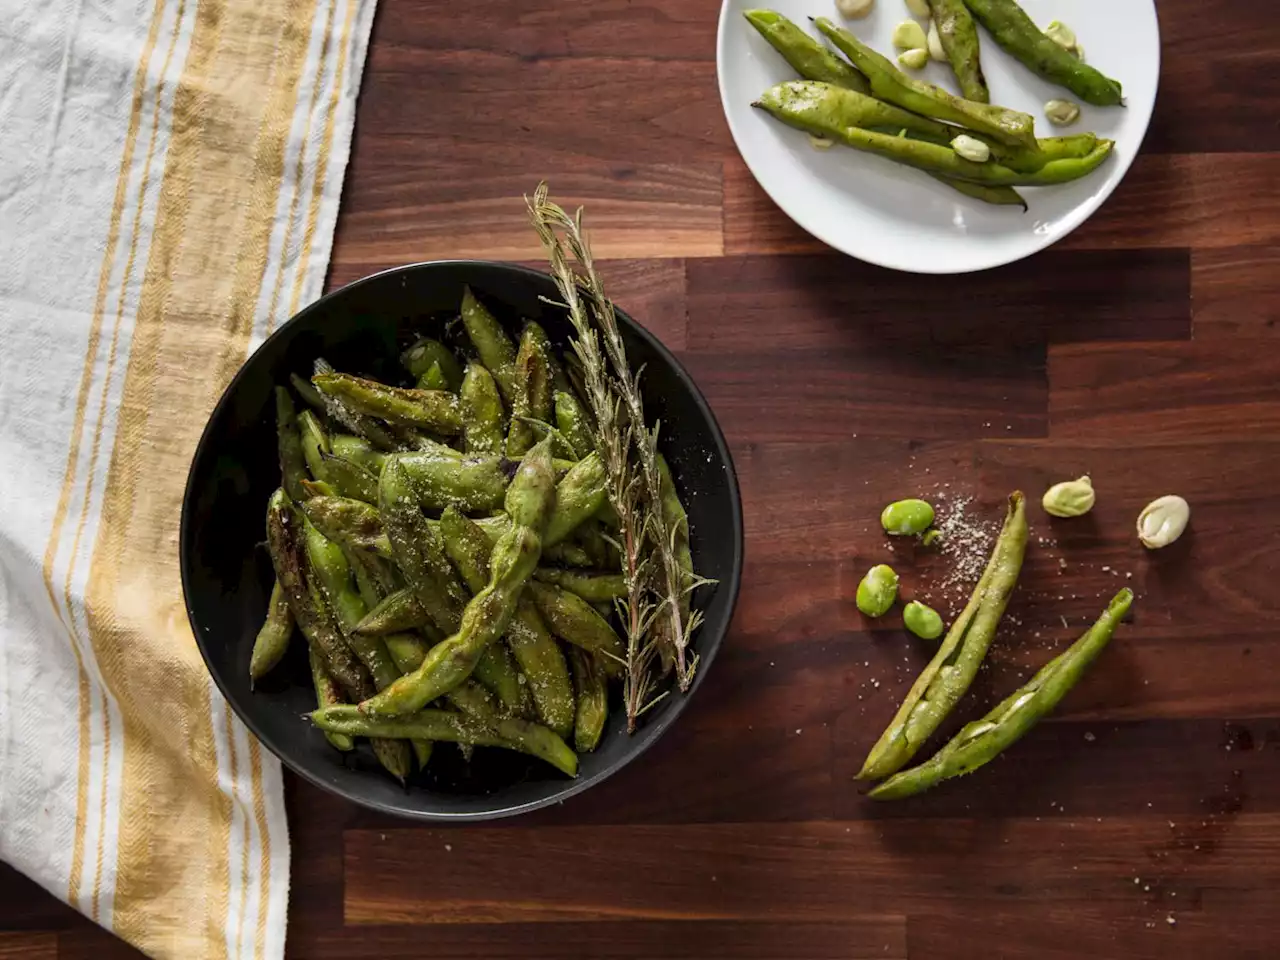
(670, 583)
(613, 440)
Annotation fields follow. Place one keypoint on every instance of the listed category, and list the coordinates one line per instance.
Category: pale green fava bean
(877, 591)
(923, 621)
(906, 518)
(1071, 498)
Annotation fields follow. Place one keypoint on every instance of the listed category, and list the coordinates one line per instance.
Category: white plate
(884, 213)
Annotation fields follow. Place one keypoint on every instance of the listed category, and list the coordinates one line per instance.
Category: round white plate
(884, 213)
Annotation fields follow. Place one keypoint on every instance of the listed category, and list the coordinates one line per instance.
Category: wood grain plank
(857, 938)
(1199, 200)
(820, 396)
(753, 223)
(508, 94)
(1192, 774)
(26, 906)
(460, 117)
(548, 30)
(741, 304)
(1096, 931)
(802, 871)
(408, 200)
(1235, 291)
(93, 943)
(1166, 392)
(817, 507)
(1186, 669)
(1219, 75)
(44, 946)
(654, 292)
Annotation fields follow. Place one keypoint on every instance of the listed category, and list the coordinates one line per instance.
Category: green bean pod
(358, 450)
(376, 576)
(417, 550)
(959, 39)
(433, 379)
(380, 435)
(273, 638)
(408, 650)
(578, 496)
(591, 537)
(575, 621)
(473, 485)
(495, 348)
(351, 523)
(427, 353)
(532, 391)
(809, 114)
(675, 519)
(309, 394)
(350, 479)
(508, 732)
(806, 55)
(532, 645)
(798, 102)
(948, 675)
(317, 488)
(435, 410)
(315, 444)
(293, 463)
(590, 585)
(1019, 36)
(814, 62)
(328, 695)
(569, 555)
(420, 554)
(395, 613)
(482, 414)
(496, 669)
(559, 381)
(891, 84)
(983, 740)
(285, 544)
(396, 756)
(591, 683)
(472, 700)
(528, 503)
(333, 577)
(371, 591)
(571, 420)
(996, 196)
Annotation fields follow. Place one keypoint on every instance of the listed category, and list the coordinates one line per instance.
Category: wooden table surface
(1144, 820)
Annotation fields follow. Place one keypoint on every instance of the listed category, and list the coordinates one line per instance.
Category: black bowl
(226, 575)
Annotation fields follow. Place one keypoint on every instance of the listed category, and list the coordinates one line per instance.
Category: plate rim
(932, 267)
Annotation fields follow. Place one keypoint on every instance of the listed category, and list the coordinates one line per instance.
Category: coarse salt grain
(964, 542)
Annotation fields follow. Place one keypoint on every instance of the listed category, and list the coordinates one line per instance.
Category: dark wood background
(1144, 820)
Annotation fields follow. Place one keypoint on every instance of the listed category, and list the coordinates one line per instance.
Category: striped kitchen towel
(169, 182)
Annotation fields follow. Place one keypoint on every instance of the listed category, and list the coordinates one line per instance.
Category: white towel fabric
(169, 182)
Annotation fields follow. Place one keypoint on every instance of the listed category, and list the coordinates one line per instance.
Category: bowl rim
(656, 729)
